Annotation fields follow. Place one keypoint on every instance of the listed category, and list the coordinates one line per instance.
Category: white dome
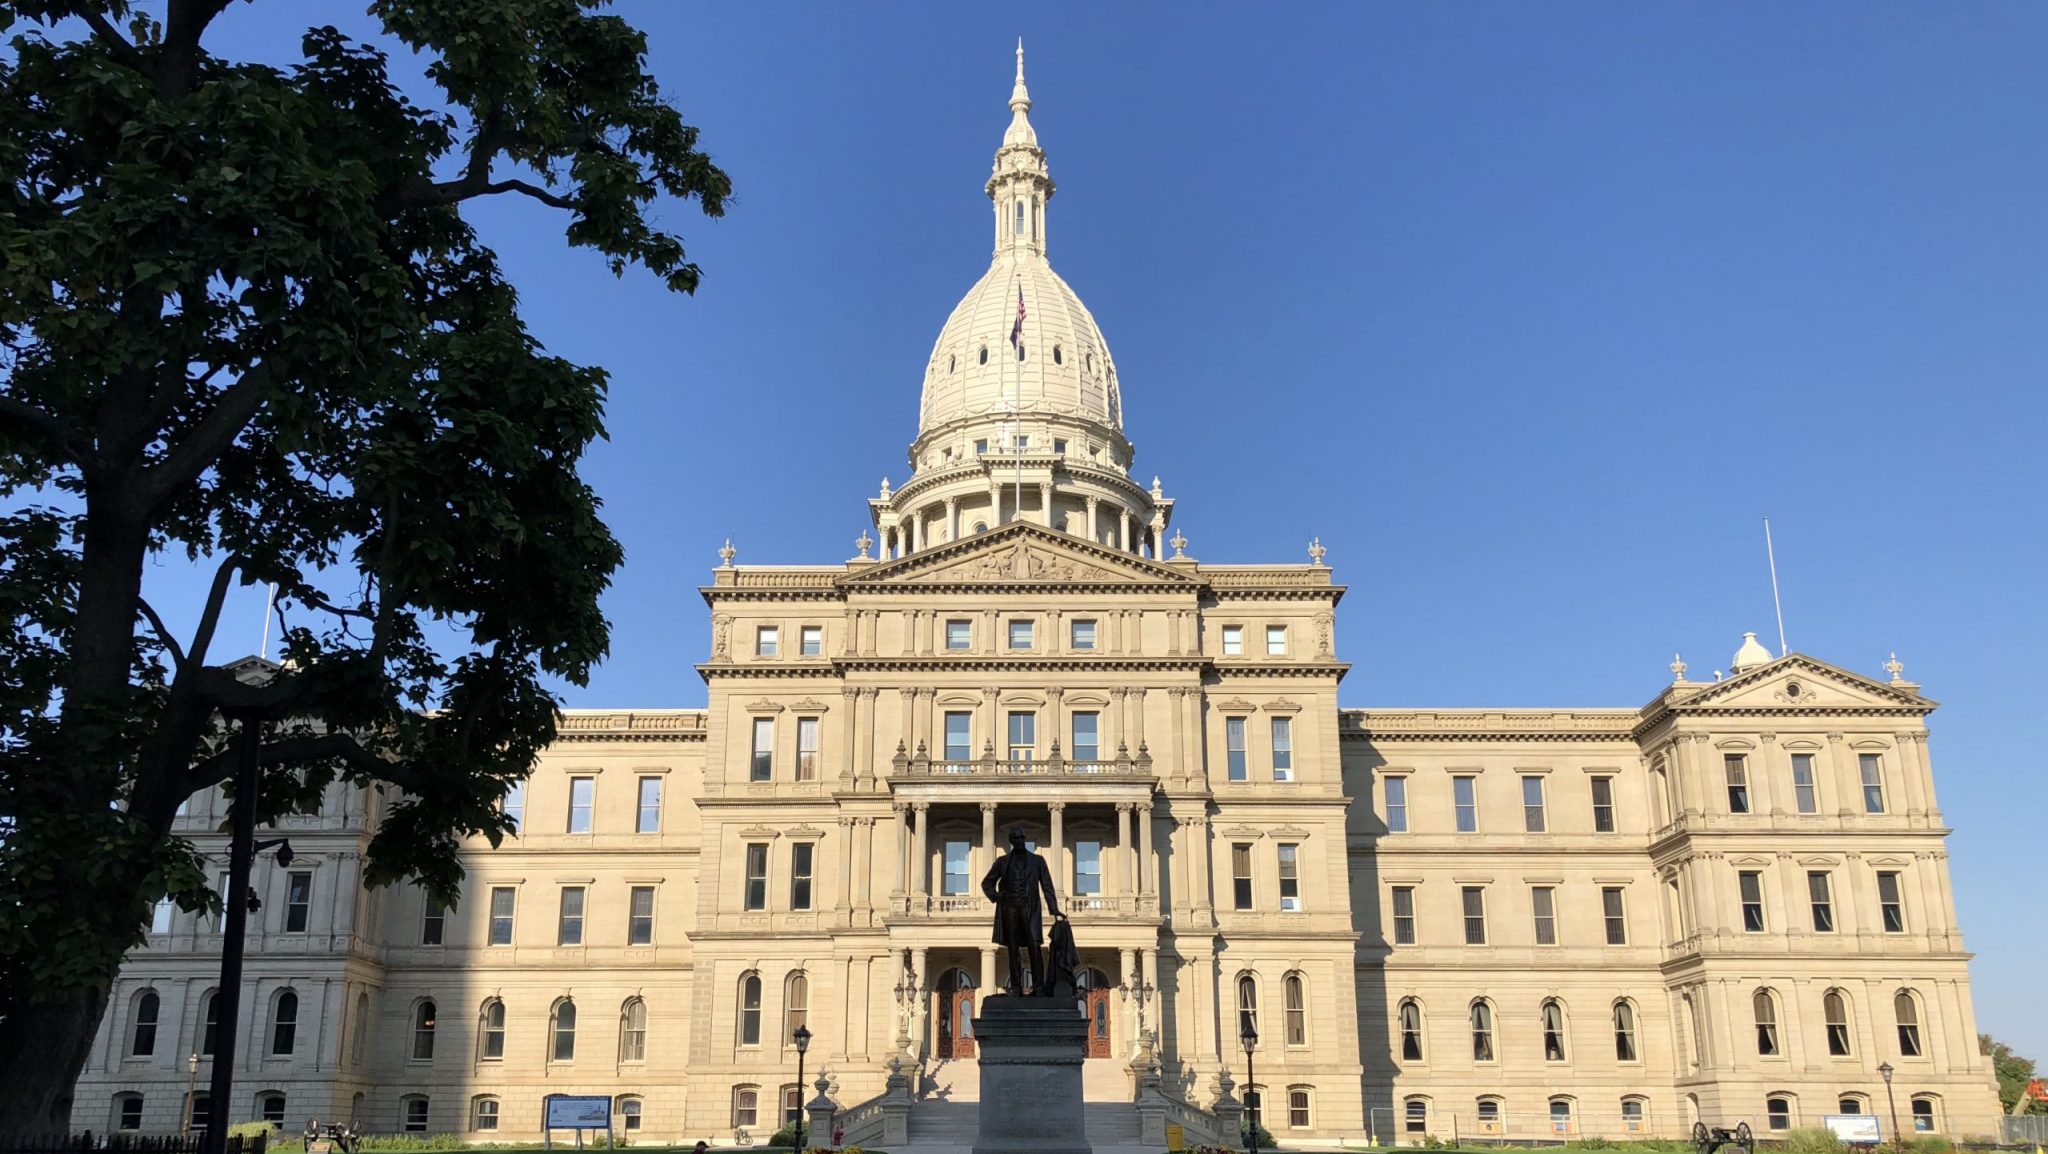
(1751, 655)
(1066, 367)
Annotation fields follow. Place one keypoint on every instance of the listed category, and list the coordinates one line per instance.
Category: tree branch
(46, 427)
(162, 634)
(209, 619)
(436, 195)
(208, 438)
(110, 37)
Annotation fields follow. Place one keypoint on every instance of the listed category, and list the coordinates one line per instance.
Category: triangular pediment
(1802, 683)
(1021, 554)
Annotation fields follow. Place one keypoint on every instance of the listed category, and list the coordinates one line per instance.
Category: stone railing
(1157, 1109)
(883, 1120)
(988, 765)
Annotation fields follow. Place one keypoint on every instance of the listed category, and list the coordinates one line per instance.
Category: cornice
(631, 725)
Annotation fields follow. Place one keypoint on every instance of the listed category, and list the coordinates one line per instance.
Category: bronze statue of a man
(1014, 884)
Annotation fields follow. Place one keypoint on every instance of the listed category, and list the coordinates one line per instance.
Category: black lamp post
(802, 1037)
(1249, 1035)
(191, 1083)
(1898, 1138)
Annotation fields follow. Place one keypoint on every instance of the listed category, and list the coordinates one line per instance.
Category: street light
(1249, 1035)
(1885, 1072)
(191, 1082)
(802, 1038)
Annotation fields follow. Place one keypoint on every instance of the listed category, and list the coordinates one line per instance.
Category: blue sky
(1530, 312)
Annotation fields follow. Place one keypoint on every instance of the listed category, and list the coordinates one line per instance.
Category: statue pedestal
(1030, 1052)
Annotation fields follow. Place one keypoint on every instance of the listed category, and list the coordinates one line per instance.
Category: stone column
(987, 857)
(864, 862)
(1045, 503)
(902, 848)
(1135, 695)
(1058, 697)
(845, 739)
(1124, 541)
(916, 530)
(907, 704)
(995, 505)
(1063, 877)
(992, 728)
(1197, 836)
(847, 826)
(1125, 852)
(866, 765)
(952, 518)
(989, 981)
(1690, 788)
(1148, 868)
(920, 862)
(1094, 532)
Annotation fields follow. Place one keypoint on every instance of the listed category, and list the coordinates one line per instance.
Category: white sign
(587, 1112)
(1856, 1129)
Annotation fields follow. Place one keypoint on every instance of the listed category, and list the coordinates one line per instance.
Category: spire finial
(1019, 92)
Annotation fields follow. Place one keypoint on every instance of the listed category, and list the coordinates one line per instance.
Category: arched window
(1778, 1112)
(1851, 1104)
(1835, 1011)
(1926, 1114)
(1020, 350)
(562, 1032)
(270, 1108)
(1415, 1115)
(1247, 1005)
(1034, 218)
(362, 1034)
(1765, 1007)
(1056, 359)
(483, 1114)
(633, 1031)
(1635, 1115)
(746, 1106)
(1489, 1115)
(1908, 1015)
(209, 1023)
(630, 1114)
(953, 363)
(1624, 1032)
(127, 1112)
(750, 1009)
(1019, 214)
(1411, 1030)
(490, 1044)
(984, 354)
(1694, 1036)
(1297, 1011)
(142, 1042)
(1561, 1116)
(284, 1023)
(1482, 1031)
(413, 1108)
(796, 1005)
(423, 1032)
(1552, 1013)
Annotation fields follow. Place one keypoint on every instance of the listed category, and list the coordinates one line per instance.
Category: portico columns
(988, 970)
(1094, 533)
(1147, 870)
(1199, 880)
(988, 837)
(1128, 881)
(922, 860)
(1124, 542)
(1059, 846)
(1045, 503)
(902, 848)
(952, 518)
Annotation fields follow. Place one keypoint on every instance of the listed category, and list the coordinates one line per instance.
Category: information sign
(579, 1112)
(1855, 1129)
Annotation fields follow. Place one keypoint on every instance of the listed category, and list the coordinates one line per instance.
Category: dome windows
(984, 354)
(1020, 350)
(1056, 358)
(952, 364)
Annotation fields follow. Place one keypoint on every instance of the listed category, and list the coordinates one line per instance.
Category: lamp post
(1898, 1138)
(802, 1038)
(1249, 1035)
(191, 1083)
(906, 1000)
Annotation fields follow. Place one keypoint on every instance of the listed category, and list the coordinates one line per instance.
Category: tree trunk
(42, 1051)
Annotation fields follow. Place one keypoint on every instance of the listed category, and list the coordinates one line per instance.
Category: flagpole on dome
(1017, 401)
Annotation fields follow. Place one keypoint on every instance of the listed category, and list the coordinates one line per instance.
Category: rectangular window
(569, 929)
(1603, 805)
(514, 804)
(1233, 748)
(502, 899)
(1890, 903)
(160, 916)
(980, 449)
(298, 902)
(1276, 641)
(1532, 805)
(1297, 1109)
(1020, 634)
(1233, 641)
(800, 874)
(1543, 899)
(757, 876)
(1616, 915)
(1819, 896)
(648, 819)
(1290, 878)
(1397, 804)
(1872, 772)
(1464, 798)
(432, 922)
(1081, 635)
(220, 918)
(1241, 876)
(959, 737)
(812, 640)
(807, 749)
(1474, 898)
(1404, 915)
(1802, 783)
(766, 639)
(957, 879)
(582, 793)
(762, 767)
(959, 634)
(1751, 884)
(640, 917)
(1283, 749)
(1023, 736)
(1737, 771)
(1087, 868)
(1087, 737)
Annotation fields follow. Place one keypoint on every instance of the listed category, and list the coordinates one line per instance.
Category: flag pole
(1771, 555)
(1017, 401)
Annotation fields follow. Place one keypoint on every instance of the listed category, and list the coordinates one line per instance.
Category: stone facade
(1729, 903)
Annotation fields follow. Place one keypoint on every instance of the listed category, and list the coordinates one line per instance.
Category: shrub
(1930, 1144)
(1811, 1140)
(1244, 1135)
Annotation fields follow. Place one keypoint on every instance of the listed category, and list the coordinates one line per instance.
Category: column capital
(1144, 807)
(1125, 806)
(849, 691)
(847, 822)
(1056, 806)
(1834, 737)
(901, 807)
(1056, 692)
(1194, 822)
(920, 806)
(988, 807)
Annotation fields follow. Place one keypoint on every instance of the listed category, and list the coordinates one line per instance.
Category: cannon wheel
(1699, 1134)
(1742, 1135)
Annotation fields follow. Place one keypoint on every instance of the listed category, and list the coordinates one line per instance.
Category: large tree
(244, 322)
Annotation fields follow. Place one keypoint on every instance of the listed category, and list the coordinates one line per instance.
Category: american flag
(1017, 330)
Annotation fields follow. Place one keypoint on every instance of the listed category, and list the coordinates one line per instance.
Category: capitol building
(1728, 901)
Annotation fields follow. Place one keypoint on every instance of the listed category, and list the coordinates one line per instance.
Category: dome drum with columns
(1030, 429)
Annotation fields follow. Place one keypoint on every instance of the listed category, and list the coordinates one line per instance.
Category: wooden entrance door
(1098, 1023)
(961, 1005)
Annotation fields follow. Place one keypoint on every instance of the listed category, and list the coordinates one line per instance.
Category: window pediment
(762, 706)
(810, 705)
(1282, 705)
(760, 832)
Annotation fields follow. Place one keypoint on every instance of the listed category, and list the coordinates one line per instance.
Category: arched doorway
(1095, 1005)
(955, 1008)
